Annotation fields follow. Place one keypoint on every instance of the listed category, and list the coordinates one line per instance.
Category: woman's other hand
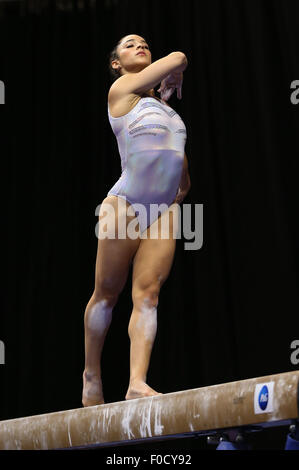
(181, 194)
(169, 84)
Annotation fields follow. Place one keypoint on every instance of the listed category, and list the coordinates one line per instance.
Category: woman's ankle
(137, 379)
(92, 375)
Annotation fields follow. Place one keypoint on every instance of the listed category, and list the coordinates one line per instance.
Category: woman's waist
(163, 154)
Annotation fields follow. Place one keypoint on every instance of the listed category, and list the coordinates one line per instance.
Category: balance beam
(265, 401)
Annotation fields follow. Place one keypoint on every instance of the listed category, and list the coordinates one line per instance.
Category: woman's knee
(110, 286)
(110, 297)
(146, 295)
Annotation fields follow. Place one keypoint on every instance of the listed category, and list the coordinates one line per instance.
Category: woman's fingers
(167, 93)
(179, 92)
(179, 88)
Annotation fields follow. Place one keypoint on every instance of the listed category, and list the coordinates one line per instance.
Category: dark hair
(114, 73)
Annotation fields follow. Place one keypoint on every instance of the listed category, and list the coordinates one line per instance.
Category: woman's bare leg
(97, 319)
(151, 267)
(142, 333)
(113, 261)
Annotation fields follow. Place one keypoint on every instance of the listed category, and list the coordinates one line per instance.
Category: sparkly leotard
(151, 141)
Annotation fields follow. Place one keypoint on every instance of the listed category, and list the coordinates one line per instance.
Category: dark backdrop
(228, 311)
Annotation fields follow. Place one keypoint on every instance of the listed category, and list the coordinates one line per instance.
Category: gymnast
(151, 140)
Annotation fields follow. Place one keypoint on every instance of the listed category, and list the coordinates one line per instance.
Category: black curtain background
(228, 311)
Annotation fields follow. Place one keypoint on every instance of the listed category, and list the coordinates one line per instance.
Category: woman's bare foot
(92, 390)
(138, 389)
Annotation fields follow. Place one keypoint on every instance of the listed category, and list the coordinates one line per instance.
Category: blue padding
(291, 443)
(227, 445)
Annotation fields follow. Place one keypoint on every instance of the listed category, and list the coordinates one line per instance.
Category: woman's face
(129, 58)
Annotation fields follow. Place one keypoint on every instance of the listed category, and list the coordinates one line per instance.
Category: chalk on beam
(270, 401)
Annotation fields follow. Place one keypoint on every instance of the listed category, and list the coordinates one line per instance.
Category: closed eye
(132, 46)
